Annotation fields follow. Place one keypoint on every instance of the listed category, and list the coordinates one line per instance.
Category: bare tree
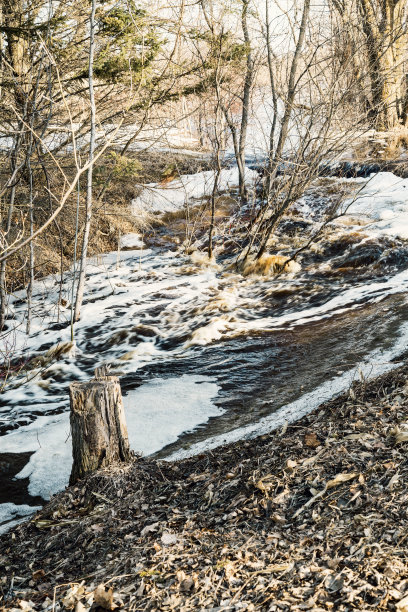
(383, 27)
(234, 100)
(88, 205)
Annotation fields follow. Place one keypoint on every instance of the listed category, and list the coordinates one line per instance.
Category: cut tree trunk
(98, 426)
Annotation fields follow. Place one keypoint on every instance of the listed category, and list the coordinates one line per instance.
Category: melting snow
(176, 194)
(376, 363)
(160, 410)
(384, 199)
(157, 413)
(131, 241)
(150, 291)
(11, 515)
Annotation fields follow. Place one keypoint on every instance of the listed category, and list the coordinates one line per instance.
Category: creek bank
(312, 517)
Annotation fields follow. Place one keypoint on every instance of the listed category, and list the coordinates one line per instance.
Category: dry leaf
(26, 605)
(140, 589)
(263, 484)
(334, 583)
(402, 436)
(187, 585)
(278, 518)
(340, 478)
(104, 598)
(72, 596)
(280, 567)
(393, 481)
(311, 440)
(38, 574)
(229, 571)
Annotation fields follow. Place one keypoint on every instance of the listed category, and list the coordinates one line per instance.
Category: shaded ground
(310, 518)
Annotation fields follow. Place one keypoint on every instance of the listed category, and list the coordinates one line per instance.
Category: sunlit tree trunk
(88, 212)
(246, 98)
(385, 30)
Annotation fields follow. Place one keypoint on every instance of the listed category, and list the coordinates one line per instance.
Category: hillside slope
(310, 518)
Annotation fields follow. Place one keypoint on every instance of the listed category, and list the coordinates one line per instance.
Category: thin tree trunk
(31, 249)
(10, 212)
(3, 264)
(284, 129)
(274, 98)
(215, 187)
(88, 206)
(249, 77)
(404, 112)
(385, 40)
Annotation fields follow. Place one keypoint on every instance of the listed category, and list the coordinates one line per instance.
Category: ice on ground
(159, 411)
(384, 200)
(48, 438)
(131, 241)
(176, 194)
(11, 515)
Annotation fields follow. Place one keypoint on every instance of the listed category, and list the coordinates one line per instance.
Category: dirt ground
(312, 517)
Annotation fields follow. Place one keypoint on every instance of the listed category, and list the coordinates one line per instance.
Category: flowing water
(207, 355)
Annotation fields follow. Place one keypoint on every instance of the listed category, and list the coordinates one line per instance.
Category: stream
(207, 355)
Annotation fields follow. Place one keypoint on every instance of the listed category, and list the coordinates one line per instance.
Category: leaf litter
(312, 517)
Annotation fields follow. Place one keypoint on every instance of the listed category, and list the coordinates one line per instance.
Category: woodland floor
(313, 517)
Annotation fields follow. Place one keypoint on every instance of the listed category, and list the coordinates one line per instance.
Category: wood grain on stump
(98, 426)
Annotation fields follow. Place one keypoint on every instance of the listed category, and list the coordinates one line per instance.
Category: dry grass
(116, 184)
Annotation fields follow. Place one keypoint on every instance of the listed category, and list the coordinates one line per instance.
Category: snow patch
(384, 200)
(178, 193)
(131, 241)
(11, 515)
(49, 466)
(158, 412)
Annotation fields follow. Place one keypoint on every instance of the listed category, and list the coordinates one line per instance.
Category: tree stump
(98, 426)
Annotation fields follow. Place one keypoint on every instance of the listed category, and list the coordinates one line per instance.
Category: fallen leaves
(339, 479)
(72, 596)
(268, 524)
(149, 529)
(334, 482)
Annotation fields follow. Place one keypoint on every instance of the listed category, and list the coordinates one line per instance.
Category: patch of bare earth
(313, 517)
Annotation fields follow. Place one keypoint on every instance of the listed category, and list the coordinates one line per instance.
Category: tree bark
(249, 79)
(89, 194)
(98, 426)
(384, 28)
